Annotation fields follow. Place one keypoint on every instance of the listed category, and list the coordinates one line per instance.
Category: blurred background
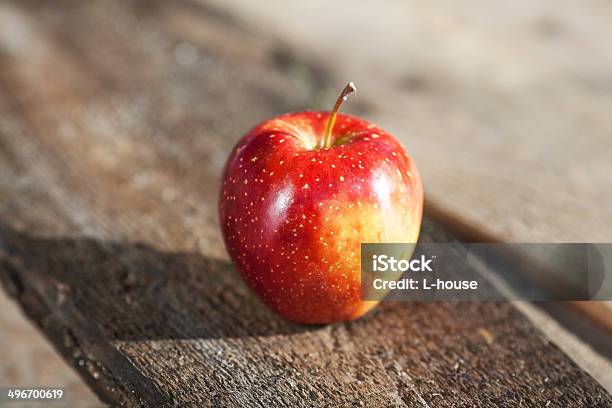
(506, 107)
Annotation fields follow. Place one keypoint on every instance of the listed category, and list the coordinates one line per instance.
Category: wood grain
(111, 144)
(28, 359)
(155, 328)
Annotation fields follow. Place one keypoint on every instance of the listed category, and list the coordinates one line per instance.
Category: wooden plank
(111, 148)
(28, 359)
(504, 106)
(144, 326)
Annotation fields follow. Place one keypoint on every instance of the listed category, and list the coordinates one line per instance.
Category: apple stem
(348, 89)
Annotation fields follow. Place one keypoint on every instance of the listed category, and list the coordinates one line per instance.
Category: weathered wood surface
(155, 328)
(115, 119)
(28, 359)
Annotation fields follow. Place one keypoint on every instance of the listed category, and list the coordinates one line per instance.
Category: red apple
(300, 193)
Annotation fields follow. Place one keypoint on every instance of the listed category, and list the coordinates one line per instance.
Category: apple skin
(293, 215)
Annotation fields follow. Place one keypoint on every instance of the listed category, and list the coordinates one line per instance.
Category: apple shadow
(133, 291)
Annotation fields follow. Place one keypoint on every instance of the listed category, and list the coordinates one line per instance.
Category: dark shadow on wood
(136, 292)
(90, 297)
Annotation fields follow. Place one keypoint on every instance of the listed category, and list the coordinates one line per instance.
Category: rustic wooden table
(115, 119)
